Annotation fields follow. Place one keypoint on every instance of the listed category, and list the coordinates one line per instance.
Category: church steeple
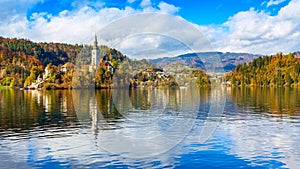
(95, 43)
(95, 58)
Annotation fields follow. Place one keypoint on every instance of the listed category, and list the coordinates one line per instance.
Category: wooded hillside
(19, 56)
(278, 70)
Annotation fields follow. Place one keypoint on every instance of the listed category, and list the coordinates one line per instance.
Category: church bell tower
(95, 60)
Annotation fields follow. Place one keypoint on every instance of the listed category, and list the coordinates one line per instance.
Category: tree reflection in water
(275, 102)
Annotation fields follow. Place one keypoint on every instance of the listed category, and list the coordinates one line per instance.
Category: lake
(150, 128)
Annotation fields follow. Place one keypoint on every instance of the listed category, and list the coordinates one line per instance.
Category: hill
(19, 56)
(276, 70)
(207, 60)
(57, 65)
(23, 62)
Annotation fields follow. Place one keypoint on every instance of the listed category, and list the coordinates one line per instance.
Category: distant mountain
(207, 60)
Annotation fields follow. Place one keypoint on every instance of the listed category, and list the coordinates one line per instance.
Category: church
(95, 59)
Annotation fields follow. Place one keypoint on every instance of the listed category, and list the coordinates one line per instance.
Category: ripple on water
(250, 134)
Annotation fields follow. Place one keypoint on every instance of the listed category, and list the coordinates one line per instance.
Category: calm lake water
(150, 128)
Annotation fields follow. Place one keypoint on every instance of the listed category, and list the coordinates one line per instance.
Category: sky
(253, 26)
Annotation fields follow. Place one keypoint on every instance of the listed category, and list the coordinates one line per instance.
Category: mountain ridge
(206, 60)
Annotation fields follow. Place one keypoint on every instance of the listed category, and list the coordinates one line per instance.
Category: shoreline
(150, 87)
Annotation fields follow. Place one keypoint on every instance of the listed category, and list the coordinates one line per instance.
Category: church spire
(95, 58)
(95, 42)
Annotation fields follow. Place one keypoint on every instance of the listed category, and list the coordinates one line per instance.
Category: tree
(34, 73)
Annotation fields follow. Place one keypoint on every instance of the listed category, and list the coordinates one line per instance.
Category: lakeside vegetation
(57, 66)
(280, 70)
(22, 58)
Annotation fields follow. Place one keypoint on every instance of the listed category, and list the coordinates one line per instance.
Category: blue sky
(256, 26)
(196, 11)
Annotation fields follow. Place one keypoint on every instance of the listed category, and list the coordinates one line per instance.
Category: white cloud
(74, 26)
(259, 32)
(275, 2)
(9, 8)
(167, 8)
(155, 32)
(140, 41)
(247, 31)
(82, 3)
(145, 3)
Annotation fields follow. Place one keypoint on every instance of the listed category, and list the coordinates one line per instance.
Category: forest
(65, 66)
(21, 59)
(280, 70)
(22, 62)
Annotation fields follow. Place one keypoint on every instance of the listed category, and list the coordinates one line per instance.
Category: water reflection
(81, 128)
(274, 102)
(169, 117)
(263, 125)
(24, 110)
(147, 98)
(160, 117)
